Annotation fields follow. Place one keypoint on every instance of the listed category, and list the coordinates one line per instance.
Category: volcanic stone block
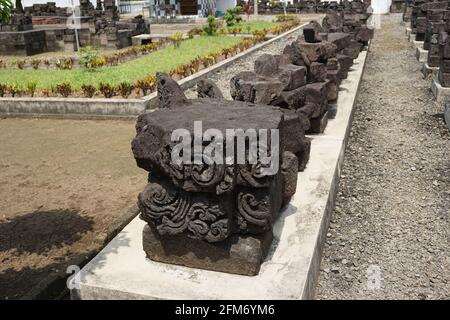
(345, 63)
(340, 40)
(317, 72)
(266, 65)
(318, 51)
(153, 146)
(169, 92)
(239, 254)
(292, 76)
(248, 86)
(289, 170)
(353, 49)
(444, 78)
(319, 124)
(208, 89)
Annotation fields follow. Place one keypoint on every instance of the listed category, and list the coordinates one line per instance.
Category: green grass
(159, 61)
(254, 25)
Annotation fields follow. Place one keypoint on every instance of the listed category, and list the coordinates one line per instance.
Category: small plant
(64, 64)
(232, 16)
(31, 88)
(194, 32)
(106, 89)
(35, 63)
(125, 89)
(47, 63)
(236, 30)
(88, 90)
(3, 89)
(285, 18)
(176, 38)
(15, 89)
(146, 84)
(64, 89)
(46, 93)
(19, 63)
(211, 28)
(91, 58)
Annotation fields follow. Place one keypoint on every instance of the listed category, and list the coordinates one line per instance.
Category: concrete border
(429, 71)
(120, 270)
(421, 54)
(441, 94)
(73, 107)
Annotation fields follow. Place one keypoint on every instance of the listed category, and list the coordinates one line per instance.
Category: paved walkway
(390, 232)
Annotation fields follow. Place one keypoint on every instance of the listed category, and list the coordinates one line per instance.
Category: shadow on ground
(40, 231)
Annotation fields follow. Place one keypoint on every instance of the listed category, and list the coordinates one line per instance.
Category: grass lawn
(162, 60)
(254, 25)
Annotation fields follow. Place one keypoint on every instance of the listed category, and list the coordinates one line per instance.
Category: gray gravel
(389, 236)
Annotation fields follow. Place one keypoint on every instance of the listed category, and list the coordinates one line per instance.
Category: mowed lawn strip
(159, 61)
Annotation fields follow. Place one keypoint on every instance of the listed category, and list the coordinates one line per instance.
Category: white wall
(381, 6)
(222, 5)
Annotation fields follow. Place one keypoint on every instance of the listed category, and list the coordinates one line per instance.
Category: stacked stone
(397, 6)
(407, 11)
(437, 15)
(46, 9)
(222, 209)
(419, 19)
(444, 58)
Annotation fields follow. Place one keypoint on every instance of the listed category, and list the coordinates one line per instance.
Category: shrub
(146, 84)
(3, 89)
(15, 89)
(232, 16)
(91, 58)
(64, 89)
(106, 89)
(64, 64)
(31, 87)
(125, 89)
(194, 32)
(19, 63)
(88, 90)
(35, 63)
(211, 28)
(47, 63)
(176, 38)
(235, 30)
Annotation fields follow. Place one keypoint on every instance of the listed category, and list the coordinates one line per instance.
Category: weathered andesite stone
(218, 205)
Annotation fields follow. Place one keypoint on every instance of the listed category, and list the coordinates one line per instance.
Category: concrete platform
(418, 44)
(442, 94)
(120, 270)
(421, 54)
(429, 71)
(408, 32)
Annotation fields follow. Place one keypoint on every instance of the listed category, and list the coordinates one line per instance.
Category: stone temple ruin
(218, 215)
(430, 23)
(100, 26)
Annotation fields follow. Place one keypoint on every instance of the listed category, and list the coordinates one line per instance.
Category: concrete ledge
(421, 54)
(418, 44)
(441, 94)
(408, 31)
(120, 270)
(72, 106)
(428, 71)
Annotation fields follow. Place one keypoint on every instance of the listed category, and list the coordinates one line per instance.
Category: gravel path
(389, 236)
